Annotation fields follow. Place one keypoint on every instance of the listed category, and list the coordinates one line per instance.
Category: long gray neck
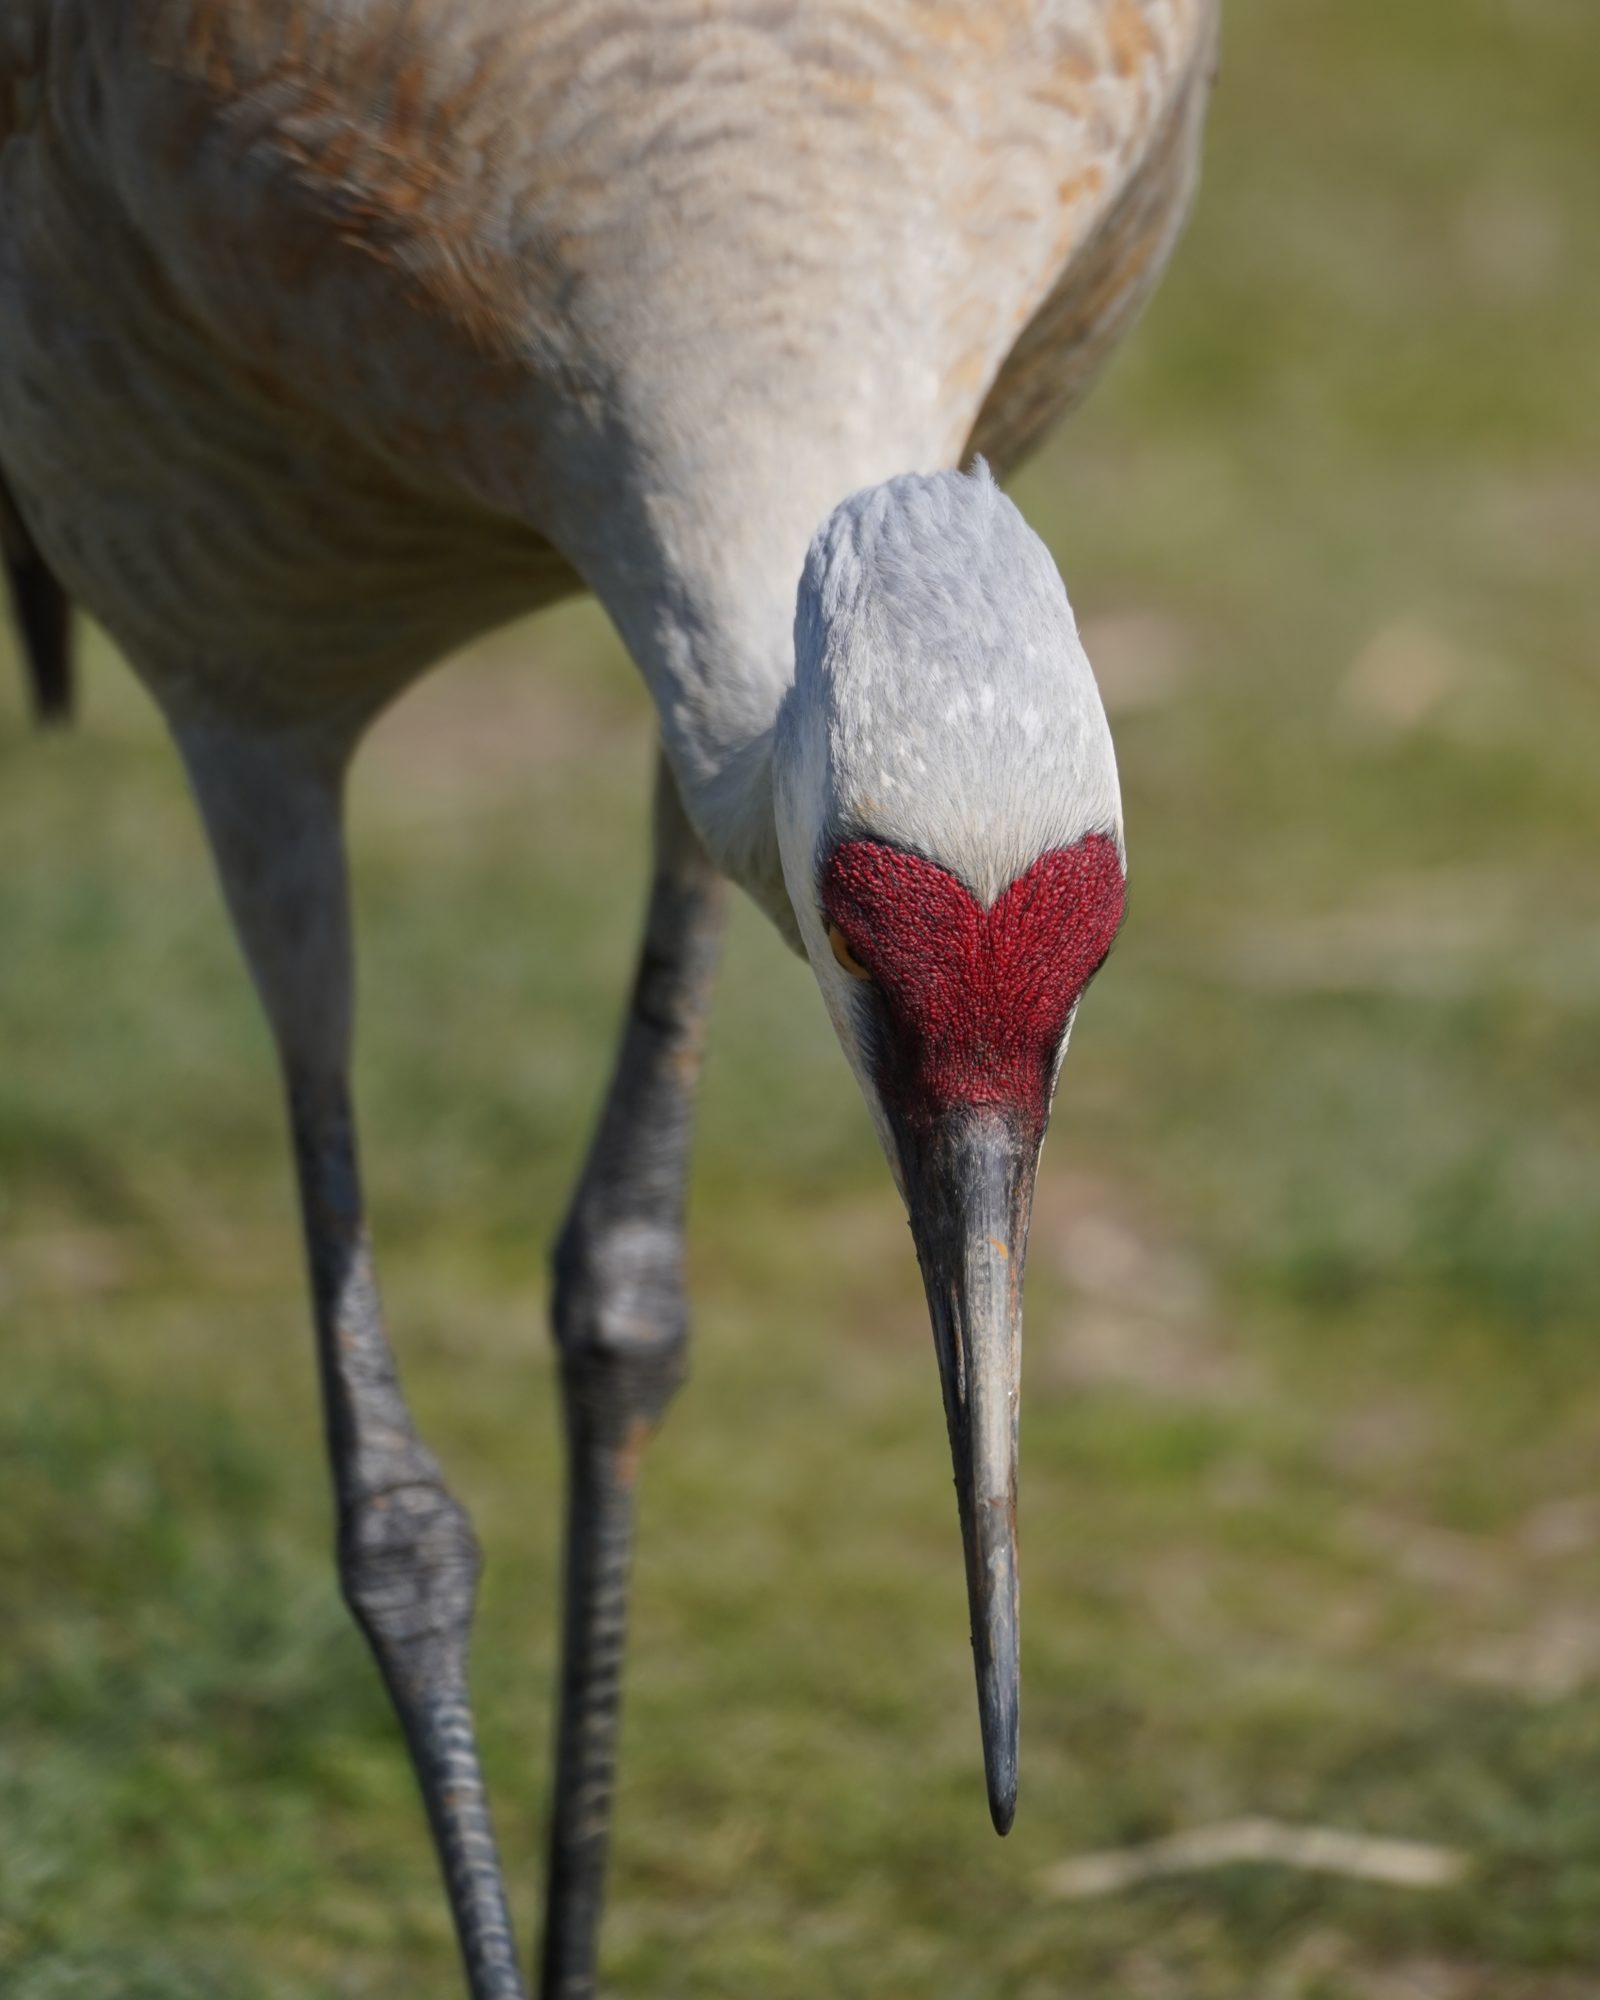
(698, 568)
(790, 320)
(854, 207)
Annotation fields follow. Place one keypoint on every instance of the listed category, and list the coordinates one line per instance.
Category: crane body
(333, 332)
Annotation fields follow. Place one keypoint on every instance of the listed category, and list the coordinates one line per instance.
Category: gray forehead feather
(940, 675)
(936, 558)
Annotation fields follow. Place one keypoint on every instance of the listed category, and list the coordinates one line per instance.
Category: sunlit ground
(1310, 1508)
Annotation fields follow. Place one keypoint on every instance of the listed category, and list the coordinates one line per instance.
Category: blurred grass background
(1310, 1510)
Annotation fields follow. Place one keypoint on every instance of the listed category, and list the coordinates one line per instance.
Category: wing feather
(1110, 273)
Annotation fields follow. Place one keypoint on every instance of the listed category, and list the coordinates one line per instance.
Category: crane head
(950, 827)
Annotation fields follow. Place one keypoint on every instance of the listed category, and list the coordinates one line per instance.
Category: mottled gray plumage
(333, 332)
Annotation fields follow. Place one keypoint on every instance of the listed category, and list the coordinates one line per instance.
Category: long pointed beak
(969, 1188)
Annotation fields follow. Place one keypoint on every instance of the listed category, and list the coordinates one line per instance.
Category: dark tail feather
(43, 613)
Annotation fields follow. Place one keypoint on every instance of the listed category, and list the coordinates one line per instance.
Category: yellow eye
(845, 955)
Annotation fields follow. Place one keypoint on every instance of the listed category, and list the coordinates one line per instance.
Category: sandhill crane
(333, 332)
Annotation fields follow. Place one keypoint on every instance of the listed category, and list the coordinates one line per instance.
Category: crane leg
(622, 1330)
(408, 1558)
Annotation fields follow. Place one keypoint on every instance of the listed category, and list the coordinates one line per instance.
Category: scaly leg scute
(621, 1325)
(408, 1559)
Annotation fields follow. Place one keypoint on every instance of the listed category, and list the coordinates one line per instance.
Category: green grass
(1310, 1514)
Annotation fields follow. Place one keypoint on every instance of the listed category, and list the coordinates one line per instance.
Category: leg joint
(620, 1313)
(619, 1289)
(409, 1565)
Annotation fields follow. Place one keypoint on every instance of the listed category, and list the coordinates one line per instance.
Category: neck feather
(700, 577)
